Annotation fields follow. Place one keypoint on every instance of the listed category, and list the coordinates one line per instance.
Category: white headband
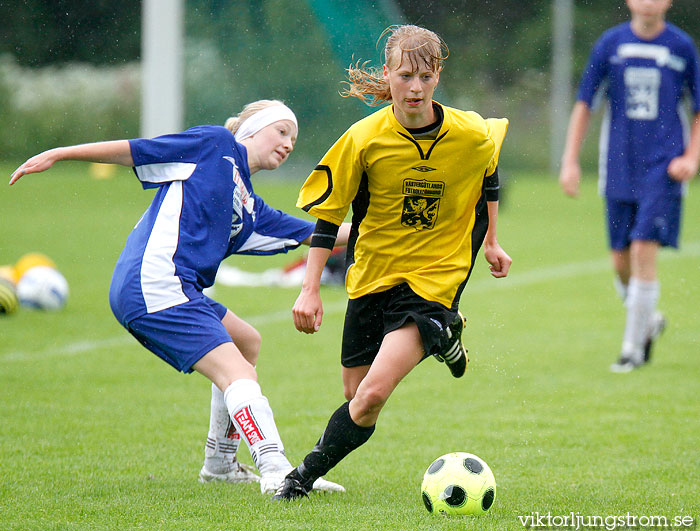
(269, 115)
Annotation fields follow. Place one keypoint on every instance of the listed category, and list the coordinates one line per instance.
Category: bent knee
(371, 398)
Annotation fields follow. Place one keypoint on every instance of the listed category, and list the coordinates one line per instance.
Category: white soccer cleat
(272, 481)
(626, 364)
(238, 473)
(327, 486)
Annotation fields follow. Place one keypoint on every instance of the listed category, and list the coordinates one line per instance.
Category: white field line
(72, 349)
(534, 276)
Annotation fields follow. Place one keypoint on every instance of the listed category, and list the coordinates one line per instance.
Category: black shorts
(368, 319)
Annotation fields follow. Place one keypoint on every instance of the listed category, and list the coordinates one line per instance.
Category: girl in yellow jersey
(423, 183)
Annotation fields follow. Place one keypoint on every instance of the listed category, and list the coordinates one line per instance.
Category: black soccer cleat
(455, 356)
(657, 328)
(291, 489)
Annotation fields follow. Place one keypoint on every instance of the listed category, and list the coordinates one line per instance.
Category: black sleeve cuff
(491, 186)
(324, 234)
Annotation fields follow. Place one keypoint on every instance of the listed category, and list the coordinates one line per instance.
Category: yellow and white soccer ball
(29, 260)
(458, 483)
(42, 287)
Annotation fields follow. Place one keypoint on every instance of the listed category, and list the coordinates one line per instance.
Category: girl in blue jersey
(204, 210)
(647, 153)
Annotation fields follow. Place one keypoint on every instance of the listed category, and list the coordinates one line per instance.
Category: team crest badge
(421, 203)
(419, 212)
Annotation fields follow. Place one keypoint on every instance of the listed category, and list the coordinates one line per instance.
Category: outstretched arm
(570, 174)
(113, 152)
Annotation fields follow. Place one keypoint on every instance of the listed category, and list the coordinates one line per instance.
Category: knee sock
(641, 304)
(621, 288)
(223, 439)
(340, 437)
(251, 415)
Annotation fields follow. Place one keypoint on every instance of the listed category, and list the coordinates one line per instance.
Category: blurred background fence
(70, 69)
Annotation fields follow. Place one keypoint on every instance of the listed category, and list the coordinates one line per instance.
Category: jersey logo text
(421, 203)
(242, 199)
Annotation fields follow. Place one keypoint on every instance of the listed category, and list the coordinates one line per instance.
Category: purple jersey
(644, 125)
(204, 210)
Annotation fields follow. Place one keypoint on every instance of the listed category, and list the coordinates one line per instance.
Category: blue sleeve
(275, 231)
(594, 73)
(167, 158)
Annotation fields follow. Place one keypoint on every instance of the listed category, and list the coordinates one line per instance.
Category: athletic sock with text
(251, 414)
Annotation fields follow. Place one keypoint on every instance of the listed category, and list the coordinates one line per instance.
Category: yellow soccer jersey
(414, 201)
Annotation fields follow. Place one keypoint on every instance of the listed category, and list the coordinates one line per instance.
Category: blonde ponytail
(404, 43)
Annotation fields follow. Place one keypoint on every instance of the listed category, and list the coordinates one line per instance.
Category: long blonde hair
(415, 44)
(234, 122)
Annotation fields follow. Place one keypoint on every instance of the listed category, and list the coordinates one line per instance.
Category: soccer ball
(43, 288)
(458, 483)
(8, 296)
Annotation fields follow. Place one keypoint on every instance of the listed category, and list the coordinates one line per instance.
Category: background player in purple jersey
(204, 210)
(648, 151)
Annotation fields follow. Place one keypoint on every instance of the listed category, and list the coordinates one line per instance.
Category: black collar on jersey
(430, 136)
(428, 132)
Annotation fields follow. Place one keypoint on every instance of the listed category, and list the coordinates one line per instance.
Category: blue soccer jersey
(644, 125)
(204, 210)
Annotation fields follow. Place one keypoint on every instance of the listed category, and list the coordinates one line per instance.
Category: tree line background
(238, 51)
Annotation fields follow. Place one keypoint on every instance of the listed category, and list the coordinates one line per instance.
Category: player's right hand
(308, 311)
(42, 161)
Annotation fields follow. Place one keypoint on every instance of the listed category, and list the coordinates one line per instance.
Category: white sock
(621, 288)
(223, 439)
(252, 416)
(641, 303)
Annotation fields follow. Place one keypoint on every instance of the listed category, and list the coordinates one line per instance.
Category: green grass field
(97, 433)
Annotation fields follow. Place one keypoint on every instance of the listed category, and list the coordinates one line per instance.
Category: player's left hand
(683, 168)
(498, 259)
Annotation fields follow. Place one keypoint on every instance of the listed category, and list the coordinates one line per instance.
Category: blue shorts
(183, 334)
(653, 219)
